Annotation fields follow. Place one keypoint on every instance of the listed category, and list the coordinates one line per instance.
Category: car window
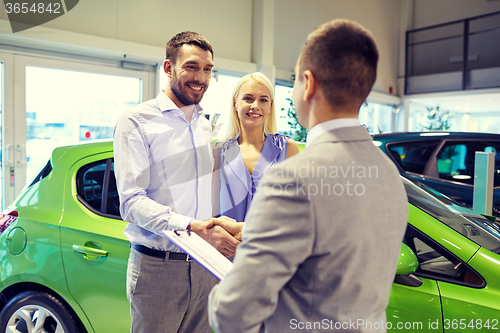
(475, 227)
(412, 156)
(455, 160)
(96, 188)
(112, 198)
(438, 263)
(42, 174)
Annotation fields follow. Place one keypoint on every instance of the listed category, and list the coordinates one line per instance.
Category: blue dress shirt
(163, 168)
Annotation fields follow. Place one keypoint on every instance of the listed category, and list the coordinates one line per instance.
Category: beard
(182, 93)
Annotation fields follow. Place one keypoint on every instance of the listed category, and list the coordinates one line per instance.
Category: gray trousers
(167, 295)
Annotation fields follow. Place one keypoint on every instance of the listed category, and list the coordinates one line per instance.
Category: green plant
(437, 120)
(297, 132)
(440, 120)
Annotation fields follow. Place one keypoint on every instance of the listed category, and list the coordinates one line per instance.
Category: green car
(457, 284)
(63, 256)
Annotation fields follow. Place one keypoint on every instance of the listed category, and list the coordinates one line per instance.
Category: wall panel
(295, 19)
(432, 12)
(226, 24)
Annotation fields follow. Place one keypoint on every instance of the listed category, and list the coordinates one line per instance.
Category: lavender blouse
(237, 184)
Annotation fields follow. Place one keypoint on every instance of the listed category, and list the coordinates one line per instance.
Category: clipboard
(201, 251)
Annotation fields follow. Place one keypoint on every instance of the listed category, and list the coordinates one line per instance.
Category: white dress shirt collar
(166, 104)
(329, 125)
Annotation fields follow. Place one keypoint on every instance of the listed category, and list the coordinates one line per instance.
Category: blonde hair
(234, 124)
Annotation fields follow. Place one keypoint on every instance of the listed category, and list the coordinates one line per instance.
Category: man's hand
(215, 235)
(230, 225)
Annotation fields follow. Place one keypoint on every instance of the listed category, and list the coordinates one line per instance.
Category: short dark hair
(186, 37)
(343, 57)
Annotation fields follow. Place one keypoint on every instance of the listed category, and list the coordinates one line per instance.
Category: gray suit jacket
(321, 243)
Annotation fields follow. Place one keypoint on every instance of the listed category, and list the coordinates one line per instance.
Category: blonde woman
(250, 147)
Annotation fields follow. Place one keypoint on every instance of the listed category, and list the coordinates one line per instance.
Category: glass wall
(283, 102)
(421, 118)
(65, 106)
(479, 122)
(217, 102)
(378, 118)
(418, 118)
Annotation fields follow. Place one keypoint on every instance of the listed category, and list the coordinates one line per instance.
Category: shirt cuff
(179, 222)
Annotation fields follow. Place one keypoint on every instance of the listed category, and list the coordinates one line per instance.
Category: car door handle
(90, 251)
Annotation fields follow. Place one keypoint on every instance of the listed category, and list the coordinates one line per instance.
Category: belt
(160, 254)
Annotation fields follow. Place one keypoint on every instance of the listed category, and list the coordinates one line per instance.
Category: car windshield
(477, 228)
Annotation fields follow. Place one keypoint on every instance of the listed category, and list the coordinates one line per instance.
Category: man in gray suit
(323, 235)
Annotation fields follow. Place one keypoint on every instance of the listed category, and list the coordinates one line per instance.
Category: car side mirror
(407, 265)
(407, 262)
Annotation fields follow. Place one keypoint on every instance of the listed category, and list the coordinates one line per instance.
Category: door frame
(7, 129)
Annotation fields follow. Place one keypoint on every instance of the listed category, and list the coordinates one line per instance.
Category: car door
(460, 287)
(95, 251)
(415, 308)
(466, 308)
(472, 305)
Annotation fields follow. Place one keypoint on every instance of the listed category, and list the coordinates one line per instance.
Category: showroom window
(479, 122)
(378, 118)
(483, 122)
(60, 99)
(217, 102)
(65, 106)
(283, 102)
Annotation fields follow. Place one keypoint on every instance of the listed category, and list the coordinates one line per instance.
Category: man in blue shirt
(163, 166)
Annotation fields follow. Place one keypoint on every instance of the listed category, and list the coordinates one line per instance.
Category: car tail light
(6, 219)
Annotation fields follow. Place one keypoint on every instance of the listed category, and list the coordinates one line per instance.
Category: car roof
(471, 135)
(76, 151)
(435, 134)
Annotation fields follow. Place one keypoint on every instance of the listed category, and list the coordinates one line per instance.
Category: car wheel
(35, 311)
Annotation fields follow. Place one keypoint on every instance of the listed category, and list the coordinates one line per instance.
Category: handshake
(223, 233)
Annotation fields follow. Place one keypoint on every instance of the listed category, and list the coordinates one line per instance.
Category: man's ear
(310, 85)
(167, 67)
